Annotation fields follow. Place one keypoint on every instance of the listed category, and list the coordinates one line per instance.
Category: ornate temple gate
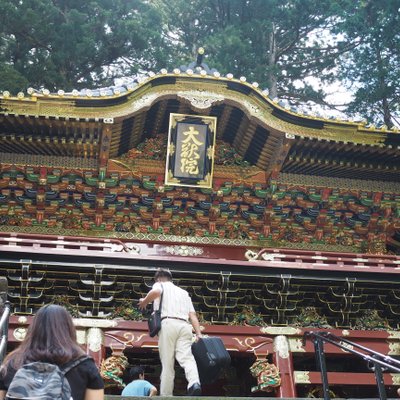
(291, 222)
(111, 342)
(224, 302)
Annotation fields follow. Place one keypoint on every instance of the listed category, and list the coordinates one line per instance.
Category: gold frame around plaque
(198, 170)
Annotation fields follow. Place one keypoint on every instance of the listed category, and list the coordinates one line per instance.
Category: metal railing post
(320, 355)
(379, 380)
(4, 329)
(380, 362)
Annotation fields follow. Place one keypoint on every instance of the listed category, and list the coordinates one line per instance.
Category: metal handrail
(4, 329)
(379, 361)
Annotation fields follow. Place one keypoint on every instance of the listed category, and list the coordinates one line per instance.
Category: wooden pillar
(284, 361)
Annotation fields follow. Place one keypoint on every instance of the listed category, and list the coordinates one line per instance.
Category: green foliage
(11, 79)
(372, 69)
(66, 44)
(73, 44)
(276, 43)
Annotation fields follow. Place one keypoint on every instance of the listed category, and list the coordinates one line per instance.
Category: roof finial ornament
(198, 66)
(200, 53)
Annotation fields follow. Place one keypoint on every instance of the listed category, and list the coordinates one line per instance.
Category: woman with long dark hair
(51, 338)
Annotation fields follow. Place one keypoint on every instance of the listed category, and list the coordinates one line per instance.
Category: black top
(84, 376)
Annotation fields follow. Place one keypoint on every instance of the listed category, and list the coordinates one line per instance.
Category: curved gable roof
(261, 130)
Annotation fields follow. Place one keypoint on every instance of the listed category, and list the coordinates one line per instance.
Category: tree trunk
(387, 117)
(272, 80)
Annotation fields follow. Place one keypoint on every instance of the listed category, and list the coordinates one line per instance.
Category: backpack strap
(72, 364)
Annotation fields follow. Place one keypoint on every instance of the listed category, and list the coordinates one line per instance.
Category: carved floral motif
(200, 99)
(184, 251)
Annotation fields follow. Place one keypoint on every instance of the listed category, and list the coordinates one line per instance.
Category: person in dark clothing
(51, 338)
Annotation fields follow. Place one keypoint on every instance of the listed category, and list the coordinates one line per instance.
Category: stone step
(114, 397)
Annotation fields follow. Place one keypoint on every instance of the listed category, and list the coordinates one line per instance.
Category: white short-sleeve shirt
(176, 301)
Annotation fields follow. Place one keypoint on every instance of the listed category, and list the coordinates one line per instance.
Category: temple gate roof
(83, 160)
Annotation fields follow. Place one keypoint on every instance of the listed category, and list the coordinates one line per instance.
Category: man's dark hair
(134, 372)
(163, 273)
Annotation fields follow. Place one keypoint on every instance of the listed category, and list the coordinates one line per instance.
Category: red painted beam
(341, 378)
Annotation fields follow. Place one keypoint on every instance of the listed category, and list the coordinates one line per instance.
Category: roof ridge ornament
(199, 66)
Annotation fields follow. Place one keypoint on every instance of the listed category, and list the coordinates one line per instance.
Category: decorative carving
(343, 183)
(94, 323)
(302, 377)
(94, 339)
(394, 348)
(65, 301)
(371, 320)
(248, 317)
(81, 336)
(184, 251)
(393, 334)
(268, 376)
(126, 311)
(20, 333)
(133, 248)
(253, 109)
(280, 330)
(395, 379)
(112, 370)
(251, 255)
(129, 338)
(200, 99)
(142, 102)
(246, 343)
(281, 346)
(296, 345)
(309, 317)
(377, 246)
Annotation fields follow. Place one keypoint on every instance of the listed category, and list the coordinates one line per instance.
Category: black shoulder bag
(154, 320)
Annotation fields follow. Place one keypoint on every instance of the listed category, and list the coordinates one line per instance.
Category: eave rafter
(49, 136)
(265, 132)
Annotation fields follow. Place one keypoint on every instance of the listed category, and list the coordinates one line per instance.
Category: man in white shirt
(175, 337)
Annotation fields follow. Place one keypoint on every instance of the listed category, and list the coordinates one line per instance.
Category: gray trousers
(175, 342)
